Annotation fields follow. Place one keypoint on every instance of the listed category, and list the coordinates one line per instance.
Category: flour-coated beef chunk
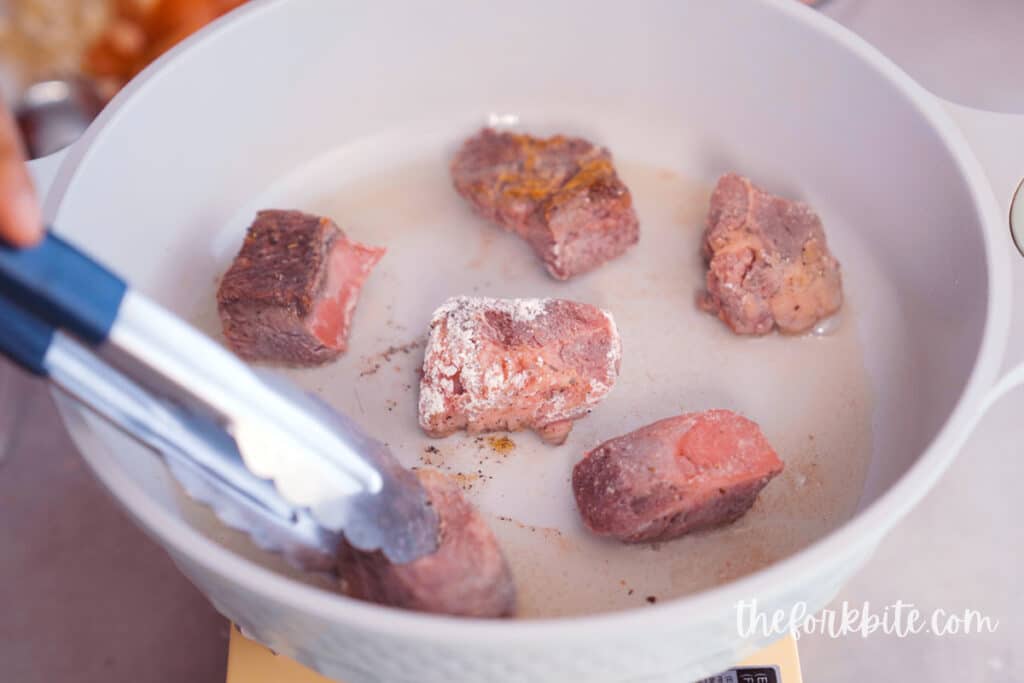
(508, 364)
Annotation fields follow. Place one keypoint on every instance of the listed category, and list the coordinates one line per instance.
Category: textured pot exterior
(349, 653)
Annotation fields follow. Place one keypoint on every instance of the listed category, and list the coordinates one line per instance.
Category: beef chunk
(768, 263)
(562, 195)
(466, 576)
(291, 292)
(678, 475)
(508, 364)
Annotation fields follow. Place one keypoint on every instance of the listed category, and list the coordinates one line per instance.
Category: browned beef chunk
(562, 195)
(678, 475)
(291, 292)
(768, 263)
(467, 576)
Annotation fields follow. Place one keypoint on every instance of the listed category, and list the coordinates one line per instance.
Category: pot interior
(356, 115)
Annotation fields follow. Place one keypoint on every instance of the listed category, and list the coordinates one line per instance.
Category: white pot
(768, 86)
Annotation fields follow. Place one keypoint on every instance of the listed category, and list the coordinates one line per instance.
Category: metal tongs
(268, 458)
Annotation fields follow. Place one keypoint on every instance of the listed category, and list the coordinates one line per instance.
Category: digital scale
(250, 662)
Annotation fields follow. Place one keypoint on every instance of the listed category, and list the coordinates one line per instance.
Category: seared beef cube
(562, 195)
(678, 475)
(466, 576)
(508, 364)
(768, 262)
(291, 292)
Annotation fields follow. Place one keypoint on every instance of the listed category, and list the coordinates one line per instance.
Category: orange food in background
(108, 41)
(42, 39)
(139, 31)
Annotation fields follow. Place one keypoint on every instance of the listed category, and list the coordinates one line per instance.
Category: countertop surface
(88, 597)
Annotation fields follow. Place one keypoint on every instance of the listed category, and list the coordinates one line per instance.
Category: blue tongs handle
(24, 338)
(62, 287)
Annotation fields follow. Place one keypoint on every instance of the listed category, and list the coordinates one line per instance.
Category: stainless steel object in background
(53, 114)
